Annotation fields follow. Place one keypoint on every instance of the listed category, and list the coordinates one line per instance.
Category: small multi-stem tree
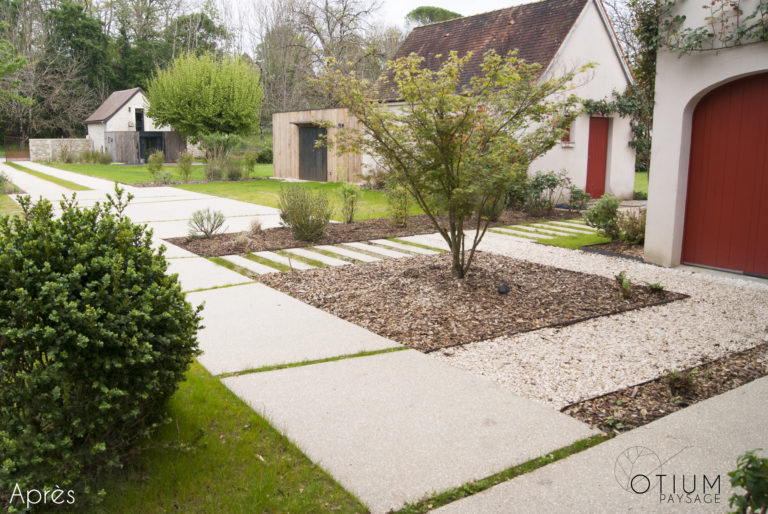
(453, 148)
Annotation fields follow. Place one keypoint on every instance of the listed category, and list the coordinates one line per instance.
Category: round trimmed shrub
(94, 338)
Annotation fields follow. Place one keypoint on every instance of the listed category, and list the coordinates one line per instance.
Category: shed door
(726, 211)
(313, 161)
(597, 154)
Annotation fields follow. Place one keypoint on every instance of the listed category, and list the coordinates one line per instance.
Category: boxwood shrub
(94, 337)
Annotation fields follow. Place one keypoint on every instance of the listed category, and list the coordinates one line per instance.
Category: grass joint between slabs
(220, 287)
(301, 258)
(417, 245)
(266, 262)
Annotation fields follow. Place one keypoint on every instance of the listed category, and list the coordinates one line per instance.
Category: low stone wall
(50, 149)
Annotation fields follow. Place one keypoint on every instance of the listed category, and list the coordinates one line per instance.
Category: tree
(10, 64)
(427, 14)
(454, 149)
(203, 95)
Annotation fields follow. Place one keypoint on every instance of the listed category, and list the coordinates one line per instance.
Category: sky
(393, 12)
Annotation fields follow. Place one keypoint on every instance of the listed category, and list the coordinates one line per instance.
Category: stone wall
(50, 149)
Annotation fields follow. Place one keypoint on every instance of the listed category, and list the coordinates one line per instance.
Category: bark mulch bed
(617, 249)
(280, 238)
(416, 302)
(640, 404)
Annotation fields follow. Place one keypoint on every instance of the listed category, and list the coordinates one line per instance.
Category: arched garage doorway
(726, 211)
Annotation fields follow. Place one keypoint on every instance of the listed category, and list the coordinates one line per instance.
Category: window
(139, 120)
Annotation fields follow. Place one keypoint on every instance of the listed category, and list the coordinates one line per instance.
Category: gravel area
(560, 366)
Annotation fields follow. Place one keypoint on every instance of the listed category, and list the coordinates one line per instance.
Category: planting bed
(617, 249)
(416, 302)
(280, 238)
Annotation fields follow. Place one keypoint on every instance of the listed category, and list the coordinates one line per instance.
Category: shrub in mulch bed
(281, 237)
(640, 404)
(416, 302)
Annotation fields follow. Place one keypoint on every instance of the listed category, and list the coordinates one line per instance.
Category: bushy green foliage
(199, 95)
(517, 190)
(305, 212)
(492, 209)
(399, 202)
(94, 338)
(544, 191)
(751, 474)
(578, 198)
(233, 168)
(349, 195)
(184, 165)
(454, 146)
(632, 227)
(265, 156)
(218, 145)
(206, 223)
(155, 162)
(214, 170)
(250, 159)
(66, 155)
(604, 216)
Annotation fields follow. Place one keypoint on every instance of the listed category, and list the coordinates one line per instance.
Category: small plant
(162, 177)
(206, 223)
(155, 162)
(241, 240)
(218, 145)
(655, 287)
(604, 216)
(751, 474)
(349, 194)
(625, 286)
(4, 183)
(614, 423)
(399, 202)
(250, 159)
(578, 199)
(233, 168)
(185, 165)
(214, 170)
(632, 227)
(265, 156)
(544, 191)
(104, 158)
(67, 155)
(676, 400)
(374, 180)
(305, 212)
(619, 402)
(255, 226)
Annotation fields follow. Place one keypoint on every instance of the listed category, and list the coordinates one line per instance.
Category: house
(708, 180)
(120, 127)
(561, 35)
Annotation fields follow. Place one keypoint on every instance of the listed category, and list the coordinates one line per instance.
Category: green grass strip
(301, 258)
(334, 255)
(576, 241)
(234, 267)
(220, 287)
(471, 488)
(518, 234)
(564, 228)
(49, 178)
(310, 362)
(266, 262)
(417, 245)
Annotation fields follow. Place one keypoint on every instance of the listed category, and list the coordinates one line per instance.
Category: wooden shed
(296, 156)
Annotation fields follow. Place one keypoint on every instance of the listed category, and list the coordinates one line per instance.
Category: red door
(726, 211)
(597, 154)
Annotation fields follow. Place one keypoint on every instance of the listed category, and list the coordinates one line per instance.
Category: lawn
(218, 455)
(372, 204)
(140, 174)
(8, 206)
(50, 178)
(641, 182)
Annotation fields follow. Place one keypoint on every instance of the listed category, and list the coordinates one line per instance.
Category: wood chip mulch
(280, 238)
(416, 302)
(617, 249)
(640, 404)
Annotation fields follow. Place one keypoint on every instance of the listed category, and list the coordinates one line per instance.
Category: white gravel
(559, 366)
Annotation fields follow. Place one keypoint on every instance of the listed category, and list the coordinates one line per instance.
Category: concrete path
(253, 326)
(395, 427)
(703, 439)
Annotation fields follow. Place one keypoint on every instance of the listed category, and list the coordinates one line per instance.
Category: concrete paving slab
(508, 233)
(200, 273)
(33, 186)
(348, 253)
(325, 259)
(253, 326)
(703, 439)
(77, 178)
(523, 232)
(293, 263)
(393, 427)
(183, 208)
(562, 229)
(249, 264)
(540, 230)
(401, 246)
(378, 250)
(574, 226)
(172, 251)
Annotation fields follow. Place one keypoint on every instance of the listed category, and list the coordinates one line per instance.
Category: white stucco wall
(96, 135)
(680, 83)
(590, 41)
(124, 118)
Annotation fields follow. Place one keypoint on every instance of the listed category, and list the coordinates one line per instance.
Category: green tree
(427, 14)
(456, 150)
(10, 63)
(199, 95)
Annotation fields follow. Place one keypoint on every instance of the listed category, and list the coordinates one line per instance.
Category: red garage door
(726, 213)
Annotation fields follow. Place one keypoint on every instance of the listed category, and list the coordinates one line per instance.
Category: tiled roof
(112, 104)
(536, 30)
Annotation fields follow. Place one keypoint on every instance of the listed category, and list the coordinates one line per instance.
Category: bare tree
(624, 24)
